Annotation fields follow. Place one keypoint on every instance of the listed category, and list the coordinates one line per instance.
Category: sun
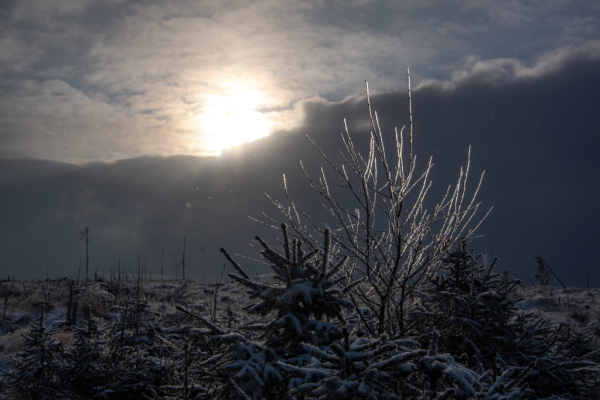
(229, 120)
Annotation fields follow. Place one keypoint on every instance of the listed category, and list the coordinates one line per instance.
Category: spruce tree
(84, 361)
(306, 302)
(354, 368)
(470, 306)
(475, 312)
(36, 370)
(303, 306)
(132, 366)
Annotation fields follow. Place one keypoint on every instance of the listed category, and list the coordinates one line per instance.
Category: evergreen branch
(337, 267)
(248, 282)
(234, 264)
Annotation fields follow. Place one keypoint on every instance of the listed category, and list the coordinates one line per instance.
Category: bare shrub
(381, 221)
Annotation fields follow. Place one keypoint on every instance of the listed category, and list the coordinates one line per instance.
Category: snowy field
(574, 305)
(23, 301)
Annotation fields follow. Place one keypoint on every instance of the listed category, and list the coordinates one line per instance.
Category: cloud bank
(535, 135)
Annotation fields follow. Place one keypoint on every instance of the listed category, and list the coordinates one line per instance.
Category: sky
(150, 121)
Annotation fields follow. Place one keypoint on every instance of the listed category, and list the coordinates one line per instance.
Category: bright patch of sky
(105, 80)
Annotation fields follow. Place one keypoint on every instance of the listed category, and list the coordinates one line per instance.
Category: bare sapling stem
(377, 204)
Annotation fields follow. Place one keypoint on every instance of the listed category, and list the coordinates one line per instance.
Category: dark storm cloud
(130, 206)
(535, 135)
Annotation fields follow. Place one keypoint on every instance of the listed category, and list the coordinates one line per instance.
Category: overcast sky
(121, 115)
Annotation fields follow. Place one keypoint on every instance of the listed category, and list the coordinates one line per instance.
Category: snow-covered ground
(574, 305)
(27, 298)
(558, 305)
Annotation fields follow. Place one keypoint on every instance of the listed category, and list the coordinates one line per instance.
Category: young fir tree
(132, 367)
(355, 368)
(440, 376)
(470, 306)
(561, 363)
(304, 306)
(37, 369)
(229, 317)
(474, 311)
(84, 359)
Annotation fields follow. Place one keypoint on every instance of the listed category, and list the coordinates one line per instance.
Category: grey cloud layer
(535, 135)
(131, 76)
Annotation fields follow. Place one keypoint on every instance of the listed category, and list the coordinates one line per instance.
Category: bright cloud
(137, 78)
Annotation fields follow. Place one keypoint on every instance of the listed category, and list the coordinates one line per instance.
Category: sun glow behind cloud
(122, 82)
(232, 119)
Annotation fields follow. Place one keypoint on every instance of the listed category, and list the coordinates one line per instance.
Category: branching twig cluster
(381, 221)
